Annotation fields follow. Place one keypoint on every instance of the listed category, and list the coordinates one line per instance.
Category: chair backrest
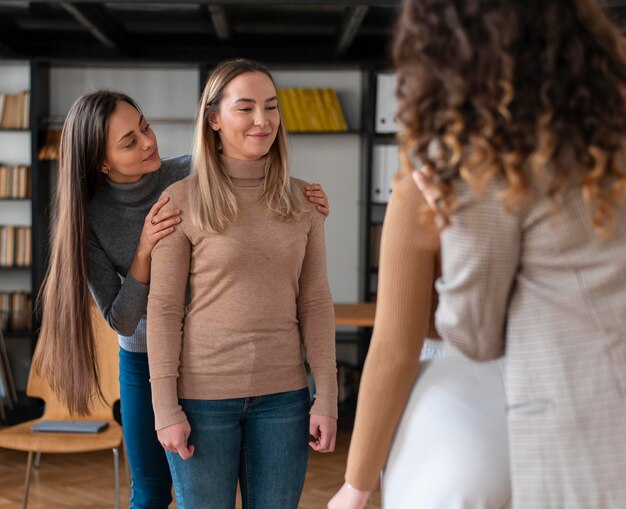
(107, 351)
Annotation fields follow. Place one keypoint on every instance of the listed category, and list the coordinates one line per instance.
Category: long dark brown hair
(529, 90)
(66, 356)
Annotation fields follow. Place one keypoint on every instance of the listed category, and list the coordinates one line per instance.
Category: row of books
(49, 150)
(15, 246)
(8, 393)
(14, 110)
(311, 109)
(15, 311)
(15, 182)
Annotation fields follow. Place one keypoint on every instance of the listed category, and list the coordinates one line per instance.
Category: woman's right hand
(158, 224)
(174, 439)
(349, 498)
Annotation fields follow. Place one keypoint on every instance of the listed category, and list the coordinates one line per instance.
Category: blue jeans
(152, 482)
(261, 441)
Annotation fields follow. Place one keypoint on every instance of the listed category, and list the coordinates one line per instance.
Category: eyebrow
(141, 119)
(246, 100)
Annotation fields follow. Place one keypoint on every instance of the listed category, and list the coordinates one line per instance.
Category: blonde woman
(229, 388)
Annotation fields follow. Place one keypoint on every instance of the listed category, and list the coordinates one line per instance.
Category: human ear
(214, 121)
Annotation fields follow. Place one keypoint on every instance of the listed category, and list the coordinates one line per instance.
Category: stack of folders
(385, 165)
(311, 110)
(8, 394)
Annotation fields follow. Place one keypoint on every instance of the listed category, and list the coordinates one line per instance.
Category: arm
(122, 304)
(317, 320)
(480, 259)
(407, 265)
(166, 311)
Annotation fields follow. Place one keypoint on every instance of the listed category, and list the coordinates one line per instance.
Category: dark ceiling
(313, 31)
(279, 31)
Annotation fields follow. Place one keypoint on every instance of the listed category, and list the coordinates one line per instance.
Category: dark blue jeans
(260, 441)
(152, 482)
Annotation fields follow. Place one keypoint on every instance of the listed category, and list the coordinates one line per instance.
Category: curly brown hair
(518, 89)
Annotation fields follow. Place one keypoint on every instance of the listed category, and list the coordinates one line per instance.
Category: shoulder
(179, 192)
(298, 186)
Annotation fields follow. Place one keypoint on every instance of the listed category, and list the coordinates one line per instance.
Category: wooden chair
(21, 438)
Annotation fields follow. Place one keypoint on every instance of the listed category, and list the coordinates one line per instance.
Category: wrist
(357, 490)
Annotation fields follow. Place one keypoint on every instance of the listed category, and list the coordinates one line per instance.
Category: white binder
(386, 104)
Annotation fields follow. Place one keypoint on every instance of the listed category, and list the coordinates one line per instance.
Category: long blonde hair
(213, 203)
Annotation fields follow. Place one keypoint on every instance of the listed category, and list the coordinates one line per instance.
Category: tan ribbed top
(408, 265)
(258, 293)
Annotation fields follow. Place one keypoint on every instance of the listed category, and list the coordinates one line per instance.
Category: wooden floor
(86, 480)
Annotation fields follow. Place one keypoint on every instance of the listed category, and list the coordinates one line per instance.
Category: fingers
(174, 439)
(431, 194)
(157, 206)
(162, 216)
(324, 429)
(315, 194)
(185, 452)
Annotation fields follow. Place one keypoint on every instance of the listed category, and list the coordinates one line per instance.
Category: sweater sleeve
(317, 320)
(122, 303)
(171, 261)
(406, 273)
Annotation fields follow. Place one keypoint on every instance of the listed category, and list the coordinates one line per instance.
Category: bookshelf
(383, 164)
(16, 283)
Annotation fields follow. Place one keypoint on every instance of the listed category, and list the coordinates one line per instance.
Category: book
(50, 426)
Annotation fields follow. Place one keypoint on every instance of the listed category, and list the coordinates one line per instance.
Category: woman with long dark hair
(106, 222)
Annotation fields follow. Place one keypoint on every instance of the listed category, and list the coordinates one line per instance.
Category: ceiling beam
(95, 20)
(220, 22)
(369, 3)
(352, 22)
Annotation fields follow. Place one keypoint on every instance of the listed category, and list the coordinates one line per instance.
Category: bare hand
(316, 194)
(324, 429)
(431, 195)
(174, 439)
(158, 224)
(349, 497)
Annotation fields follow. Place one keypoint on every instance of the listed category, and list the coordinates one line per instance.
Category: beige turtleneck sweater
(258, 293)
(409, 263)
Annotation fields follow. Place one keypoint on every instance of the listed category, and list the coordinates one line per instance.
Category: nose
(260, 119)
(148, 142)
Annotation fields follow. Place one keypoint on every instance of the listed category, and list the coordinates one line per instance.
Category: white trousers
(451, 448)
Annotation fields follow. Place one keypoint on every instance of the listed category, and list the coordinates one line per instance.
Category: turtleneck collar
(137, 192)
(245, 173)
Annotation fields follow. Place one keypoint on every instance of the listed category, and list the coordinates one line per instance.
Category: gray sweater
(116, 216)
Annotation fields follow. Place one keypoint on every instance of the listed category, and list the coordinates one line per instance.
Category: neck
(244, 172)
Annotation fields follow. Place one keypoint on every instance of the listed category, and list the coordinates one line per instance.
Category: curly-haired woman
(517, 111)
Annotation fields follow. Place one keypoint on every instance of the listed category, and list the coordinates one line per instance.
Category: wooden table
(359, 314)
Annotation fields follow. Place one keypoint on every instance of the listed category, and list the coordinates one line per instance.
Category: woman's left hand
(349, 497)
(316, 194)
(431, 194)
(324, 429)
